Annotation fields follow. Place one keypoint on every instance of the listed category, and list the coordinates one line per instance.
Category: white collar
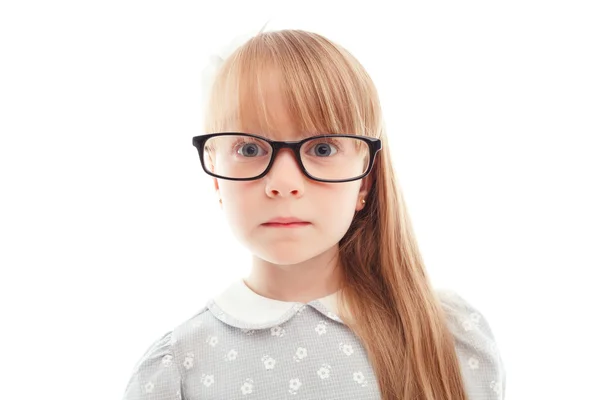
(238, 303)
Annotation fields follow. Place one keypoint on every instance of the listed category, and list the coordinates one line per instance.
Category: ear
(217, 191)
(365, 188)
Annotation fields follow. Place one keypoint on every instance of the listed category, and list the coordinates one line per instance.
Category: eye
(323, 149)
(250, 150)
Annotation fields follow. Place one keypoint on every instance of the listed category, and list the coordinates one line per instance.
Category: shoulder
(158, 373)
(478, 354)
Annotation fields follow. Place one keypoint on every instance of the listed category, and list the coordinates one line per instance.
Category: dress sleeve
(156, 375)
(481, 365)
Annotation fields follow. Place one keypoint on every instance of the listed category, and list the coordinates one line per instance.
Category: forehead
(265, 110)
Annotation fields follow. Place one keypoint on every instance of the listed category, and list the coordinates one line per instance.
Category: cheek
(232, 191)
(238, 200)
(339, 205)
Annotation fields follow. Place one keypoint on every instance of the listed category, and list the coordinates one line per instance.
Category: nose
(285, 177)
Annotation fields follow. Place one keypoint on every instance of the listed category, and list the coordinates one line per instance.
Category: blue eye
(250, 150)
(323, 150)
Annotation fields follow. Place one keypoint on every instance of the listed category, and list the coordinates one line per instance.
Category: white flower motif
(208, 380)
(496, 387)
(167, 360)
(323, 372)
(295, 384)
(188, 362)
(269, 362)
(212, 340)
(277, 331)
(247, 387)
(467, 325)
(473, 363)
(248, 332)
(300, 354)
(320, 329)
(475, 317)
(149, 387)
(347, 349)
(359, 377)
(232, 355)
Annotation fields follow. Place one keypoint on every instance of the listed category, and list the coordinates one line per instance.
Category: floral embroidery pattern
(288, 351)
(323, 372)
(149, 387)
(207, 380)
(247, 386)
(269, 362)
(232, 355)
(277, 331)
(346, 348)
(321, 328)
(300, 354)
(473, 363)
(471, 322)
(359, 378)
(212, 341)
(167, 360)
(294, 385)
(467, 325)
(188, 362)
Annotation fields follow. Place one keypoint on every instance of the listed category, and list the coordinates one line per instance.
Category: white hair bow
(215, 61)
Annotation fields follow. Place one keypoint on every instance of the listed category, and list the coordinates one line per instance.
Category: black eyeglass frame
(373, 143)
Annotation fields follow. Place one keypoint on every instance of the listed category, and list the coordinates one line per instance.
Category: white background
(111, 235)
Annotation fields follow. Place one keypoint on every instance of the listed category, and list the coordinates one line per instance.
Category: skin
(290, 264)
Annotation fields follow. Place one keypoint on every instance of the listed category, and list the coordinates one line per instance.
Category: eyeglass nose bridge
(294, 146)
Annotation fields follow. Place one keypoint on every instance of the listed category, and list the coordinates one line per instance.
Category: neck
(303, 282)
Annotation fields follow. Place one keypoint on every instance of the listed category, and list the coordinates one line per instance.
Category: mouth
(286, 223)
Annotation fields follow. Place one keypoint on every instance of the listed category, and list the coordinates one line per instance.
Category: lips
(286, 222)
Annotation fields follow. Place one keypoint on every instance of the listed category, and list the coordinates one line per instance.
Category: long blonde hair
(391, 305)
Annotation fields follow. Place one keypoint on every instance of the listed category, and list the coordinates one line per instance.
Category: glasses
(324, 158)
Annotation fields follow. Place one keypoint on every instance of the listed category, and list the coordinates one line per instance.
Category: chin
(284, 255)
(283, 259)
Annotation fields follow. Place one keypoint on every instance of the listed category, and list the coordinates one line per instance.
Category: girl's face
(285, 192)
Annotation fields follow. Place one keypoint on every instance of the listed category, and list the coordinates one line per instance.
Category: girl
(338, 304)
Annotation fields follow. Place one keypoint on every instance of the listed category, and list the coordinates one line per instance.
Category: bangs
(316, 84)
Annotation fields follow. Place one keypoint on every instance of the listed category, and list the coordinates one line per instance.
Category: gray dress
(245, 346)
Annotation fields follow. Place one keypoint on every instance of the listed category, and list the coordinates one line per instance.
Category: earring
(363, 201)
